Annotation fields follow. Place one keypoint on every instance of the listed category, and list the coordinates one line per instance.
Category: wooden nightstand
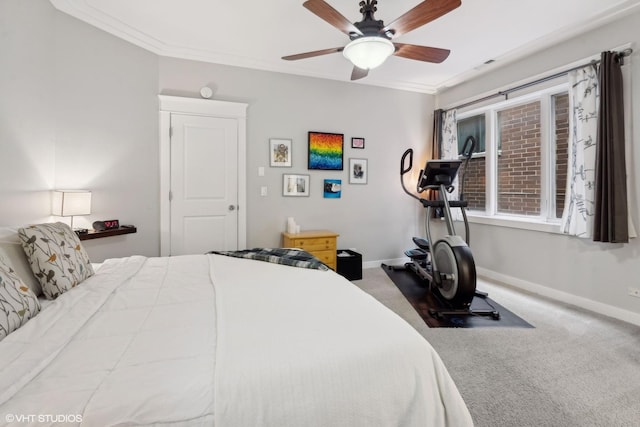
(320, 243)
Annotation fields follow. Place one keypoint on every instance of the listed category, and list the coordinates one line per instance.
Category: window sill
(478, 155)
(515, 222)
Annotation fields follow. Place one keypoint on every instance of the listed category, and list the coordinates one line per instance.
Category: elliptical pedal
(416, 254)
(421, 243)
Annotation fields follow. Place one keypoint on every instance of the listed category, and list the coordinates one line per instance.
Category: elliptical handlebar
(404, 170)
(409, 153)
(467, 154)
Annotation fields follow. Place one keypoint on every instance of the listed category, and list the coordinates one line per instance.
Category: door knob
(232, 207)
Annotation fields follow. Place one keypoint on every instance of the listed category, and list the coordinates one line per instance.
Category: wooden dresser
(320, 243)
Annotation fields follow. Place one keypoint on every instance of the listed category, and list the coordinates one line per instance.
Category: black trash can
(349, 264)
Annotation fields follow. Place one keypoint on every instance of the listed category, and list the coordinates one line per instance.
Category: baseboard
(565, 297)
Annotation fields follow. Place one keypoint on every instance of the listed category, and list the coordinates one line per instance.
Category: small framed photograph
(280, 153)
(357, 143)
(358, 171)
(332, 188)
(295, 185)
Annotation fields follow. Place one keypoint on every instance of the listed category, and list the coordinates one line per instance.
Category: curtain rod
(506, 92)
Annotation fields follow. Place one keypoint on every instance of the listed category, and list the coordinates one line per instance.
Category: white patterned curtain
(449, 150)
(584, 93)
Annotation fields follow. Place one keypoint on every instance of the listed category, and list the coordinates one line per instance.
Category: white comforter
(219, 341)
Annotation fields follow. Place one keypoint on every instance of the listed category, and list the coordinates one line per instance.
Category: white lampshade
(71, 202)
(368, 52)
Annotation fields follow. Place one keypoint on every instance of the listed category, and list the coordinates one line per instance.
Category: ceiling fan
(371, 41)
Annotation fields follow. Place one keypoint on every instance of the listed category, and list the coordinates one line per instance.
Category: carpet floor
(573, 369)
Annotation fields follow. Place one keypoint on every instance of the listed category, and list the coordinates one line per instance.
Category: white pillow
(57, 258)
(18, 303)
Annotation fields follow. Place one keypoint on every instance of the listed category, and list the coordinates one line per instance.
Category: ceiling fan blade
(358, 73)
(324, 11)
(423, 13)
(421, 53)
(312, 54)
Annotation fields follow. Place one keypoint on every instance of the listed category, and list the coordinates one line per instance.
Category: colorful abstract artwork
(326, 150)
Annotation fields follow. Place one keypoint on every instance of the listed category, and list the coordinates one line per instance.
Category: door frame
(200, 107)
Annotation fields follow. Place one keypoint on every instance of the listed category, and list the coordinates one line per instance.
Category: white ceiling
(257, 33)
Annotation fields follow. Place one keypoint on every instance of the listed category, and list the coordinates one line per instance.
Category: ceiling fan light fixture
(368, 52)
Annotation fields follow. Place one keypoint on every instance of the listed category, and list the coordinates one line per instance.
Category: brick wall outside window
(474, 184)
(561, 104)
(519, 164)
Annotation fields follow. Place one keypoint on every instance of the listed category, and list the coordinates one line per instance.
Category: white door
(204, 184)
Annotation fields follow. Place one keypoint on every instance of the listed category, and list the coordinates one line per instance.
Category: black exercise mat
(422, 300)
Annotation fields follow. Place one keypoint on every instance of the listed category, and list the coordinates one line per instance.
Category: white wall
(26, 123)
(106, 113)
(78, 110)
(377, 219)
(594, 275)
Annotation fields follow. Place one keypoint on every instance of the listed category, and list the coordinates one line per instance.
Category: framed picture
(332, 188)
(295, 185)
(358, 171)
(357, 142)
(280, 153)
(326, 150)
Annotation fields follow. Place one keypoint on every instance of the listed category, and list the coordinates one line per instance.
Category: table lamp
(71, 203)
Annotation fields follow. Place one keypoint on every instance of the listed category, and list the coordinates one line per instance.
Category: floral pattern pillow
(18, 303)
(57, 258)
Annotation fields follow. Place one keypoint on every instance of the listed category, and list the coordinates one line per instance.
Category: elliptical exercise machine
(447, 266)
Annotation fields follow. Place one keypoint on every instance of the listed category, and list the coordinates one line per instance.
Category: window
(472, 126)
(520, 167)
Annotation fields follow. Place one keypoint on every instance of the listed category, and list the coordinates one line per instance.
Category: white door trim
(200, 107)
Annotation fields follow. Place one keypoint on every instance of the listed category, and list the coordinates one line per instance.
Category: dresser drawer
(328, 257)
(317, 244)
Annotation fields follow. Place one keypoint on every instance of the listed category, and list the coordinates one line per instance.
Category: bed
(214, 340)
